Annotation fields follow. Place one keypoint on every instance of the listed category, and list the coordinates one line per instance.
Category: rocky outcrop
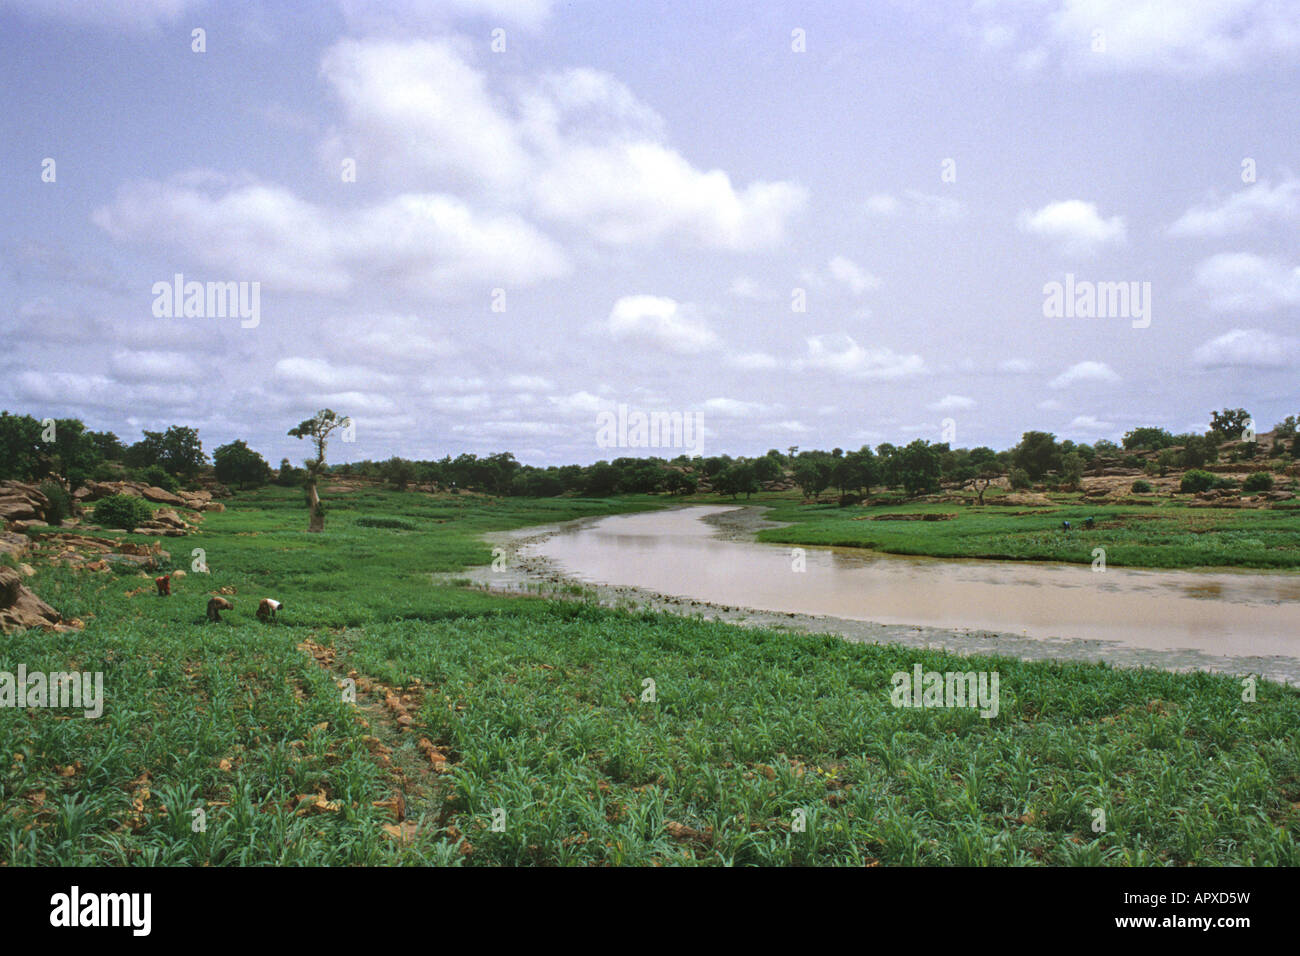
(165, 521)
(21, 609)
(14, 544)
(99, 554)
(22, 502)
(193, 500)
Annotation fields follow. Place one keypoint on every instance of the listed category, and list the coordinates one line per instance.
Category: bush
(156, 476)
(1259, 481)
(1142, 487)
(122, 511)
(60, 502)
(1196, 481)
(398, 523)
(1019, 478)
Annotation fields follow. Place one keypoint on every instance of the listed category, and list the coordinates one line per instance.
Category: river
(1230, 621)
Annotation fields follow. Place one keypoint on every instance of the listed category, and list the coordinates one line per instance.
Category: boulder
(14, 544)
(18, 508)
(160, 495)
(139, 562)
(21, 526)
(20, 608)
(168, 517)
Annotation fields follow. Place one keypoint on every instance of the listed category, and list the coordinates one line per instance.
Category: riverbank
(385, 719)
(1159, 533)
(523, 568)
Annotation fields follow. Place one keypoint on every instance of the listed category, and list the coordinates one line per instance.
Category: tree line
(65, 449)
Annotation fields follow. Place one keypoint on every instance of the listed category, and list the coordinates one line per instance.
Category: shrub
(289, 476)
(1019, 478)
(1142, 487)
(398, 523)
(156, 476)
(1195, 481)
(60, 502)
(1259, 481)
(122, 511)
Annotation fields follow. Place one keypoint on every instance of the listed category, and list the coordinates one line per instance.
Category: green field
(534, 709)
(1165, 534)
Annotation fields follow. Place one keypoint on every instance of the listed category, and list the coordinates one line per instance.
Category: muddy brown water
(1203, 616)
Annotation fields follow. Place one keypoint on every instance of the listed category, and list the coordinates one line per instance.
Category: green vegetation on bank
(539, 709)
(1164, 534)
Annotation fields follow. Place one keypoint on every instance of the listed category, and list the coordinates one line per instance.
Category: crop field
(491, 730)
(1165, 534)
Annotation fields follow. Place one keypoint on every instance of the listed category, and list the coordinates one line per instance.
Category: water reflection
(677, 553)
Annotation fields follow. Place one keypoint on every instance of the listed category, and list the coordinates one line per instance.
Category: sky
(475, 225)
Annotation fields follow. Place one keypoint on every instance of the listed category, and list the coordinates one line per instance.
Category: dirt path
(416, 765)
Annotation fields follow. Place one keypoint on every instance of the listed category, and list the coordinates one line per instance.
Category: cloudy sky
(812, 224)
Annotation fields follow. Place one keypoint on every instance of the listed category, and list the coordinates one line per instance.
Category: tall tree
(1230, 423)
(318, 428)
(237, 463)
(1037, 454)
(919, 467)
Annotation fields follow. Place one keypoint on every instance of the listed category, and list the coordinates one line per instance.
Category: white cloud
(1089, 424)
(753, 361)
(367, 15)
(661, 321)
(850, 274)
(462, 403)
(99, 391)
(1248, 282)
(1073, 225)
(579, 402)
(575, 147)
(733, 408)
(643, 192)
(1015, 366)
(916, 204)
(1098, 372)
(743, 287)
(1146, 35)
(382, 338)
(951, 403)
(428, 243)
(136, 15)
(422, 103)
(131, 365)
(314, 373)
(530, 383)
(1243, 210)
(841, 354)
(1248, 348)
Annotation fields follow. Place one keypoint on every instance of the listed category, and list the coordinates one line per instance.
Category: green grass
(539, 705)
(1165, 535)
